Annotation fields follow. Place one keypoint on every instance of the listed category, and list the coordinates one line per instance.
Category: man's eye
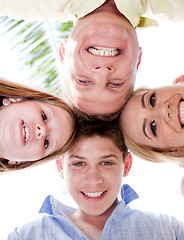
(46, 142)
(152, 100)
(82, 80)
(115, 84)
(44, 117)
(79, 164)
(153, 127)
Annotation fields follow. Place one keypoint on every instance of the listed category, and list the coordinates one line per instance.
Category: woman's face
(156, 117)
(31, 130)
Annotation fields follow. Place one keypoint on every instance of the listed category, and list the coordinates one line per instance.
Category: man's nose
(40, 131)
(102, 74)
(103, 69)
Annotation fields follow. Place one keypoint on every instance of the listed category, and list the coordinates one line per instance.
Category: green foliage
(37, 44)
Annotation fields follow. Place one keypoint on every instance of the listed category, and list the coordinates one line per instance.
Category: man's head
(101, 58)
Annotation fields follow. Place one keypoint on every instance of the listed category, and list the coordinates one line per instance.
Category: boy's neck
(91, 226)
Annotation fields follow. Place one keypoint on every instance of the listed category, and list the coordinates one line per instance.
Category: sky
(158, 184)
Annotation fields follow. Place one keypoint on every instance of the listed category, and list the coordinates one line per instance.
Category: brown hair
(9, 89)
(101, 128)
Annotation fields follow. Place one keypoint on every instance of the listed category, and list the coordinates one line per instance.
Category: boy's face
(101, 59)
(93, 171)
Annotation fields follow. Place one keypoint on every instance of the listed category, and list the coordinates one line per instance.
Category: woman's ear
(59, 164)
(127, 164)
(62, 49)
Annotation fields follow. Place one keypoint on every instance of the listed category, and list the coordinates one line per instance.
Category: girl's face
(31, 130)
(155, 118)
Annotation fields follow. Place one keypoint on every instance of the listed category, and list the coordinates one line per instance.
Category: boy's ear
(62, 49)
(60, 166)
(139, 57)
(179, 80)
(127, 164)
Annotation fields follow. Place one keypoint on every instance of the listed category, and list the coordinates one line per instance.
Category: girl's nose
(40, 131)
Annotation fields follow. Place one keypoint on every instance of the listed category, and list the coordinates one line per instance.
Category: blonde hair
(13, 90)
(150, 153)
(154, 154)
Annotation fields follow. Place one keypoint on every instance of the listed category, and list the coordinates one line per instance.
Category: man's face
(101, 60)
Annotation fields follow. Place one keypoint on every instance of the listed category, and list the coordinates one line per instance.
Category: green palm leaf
(37, 44)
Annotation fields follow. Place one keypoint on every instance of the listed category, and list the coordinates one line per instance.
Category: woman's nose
(40, 131)
(164, 111)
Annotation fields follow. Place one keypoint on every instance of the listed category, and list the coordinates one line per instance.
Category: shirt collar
(50, 203)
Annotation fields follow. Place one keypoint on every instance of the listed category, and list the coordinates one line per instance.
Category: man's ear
(62, 49)
(139, 57)
(60, 166)
(127, 164)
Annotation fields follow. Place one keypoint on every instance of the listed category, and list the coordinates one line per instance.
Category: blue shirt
(123, 224)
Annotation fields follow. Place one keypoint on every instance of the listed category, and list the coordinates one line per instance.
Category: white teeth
(103, 51)
(96, 194)
(25, 132)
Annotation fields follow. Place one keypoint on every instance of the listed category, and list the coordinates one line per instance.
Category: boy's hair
(104, 129)
(13, 90)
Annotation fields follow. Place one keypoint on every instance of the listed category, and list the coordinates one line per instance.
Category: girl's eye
(152, 100)
(46, 142)
(44, 117)
(79, 164)
(153, 127)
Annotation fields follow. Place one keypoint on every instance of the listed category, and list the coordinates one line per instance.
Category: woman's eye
(153, 127)
(152, 100)
(79, 164)
(44, 117)
(46, 142)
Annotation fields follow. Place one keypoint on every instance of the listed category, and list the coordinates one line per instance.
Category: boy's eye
(152, 100)
(44, 117)
(107, 163)
(79, 164)
(153, 127)
(46, 142)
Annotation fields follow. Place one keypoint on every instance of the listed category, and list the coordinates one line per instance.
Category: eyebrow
(76, 156)
(142, 100)
(103, 157)
(144, 128)
(109, 156)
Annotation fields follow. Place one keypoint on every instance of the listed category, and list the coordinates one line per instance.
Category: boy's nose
(40, 131)
(94, 177)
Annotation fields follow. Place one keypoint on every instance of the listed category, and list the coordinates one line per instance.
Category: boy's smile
(93, 171)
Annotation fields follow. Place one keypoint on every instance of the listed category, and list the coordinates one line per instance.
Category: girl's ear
(127, 164)
(60, 166)
(62, 49)
(8, 101)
